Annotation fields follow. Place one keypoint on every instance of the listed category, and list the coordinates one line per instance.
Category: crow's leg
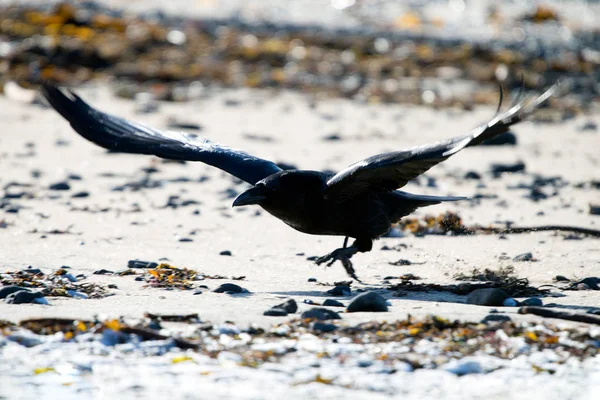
(344, 254)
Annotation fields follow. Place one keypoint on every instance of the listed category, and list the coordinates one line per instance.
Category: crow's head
(285, 189)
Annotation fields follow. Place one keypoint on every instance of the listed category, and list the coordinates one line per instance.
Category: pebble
(80, 195)
(561, 278)
(499, 169)
(7, 290)
(320, 313)
(333, 303)
(487, 297)
(290, 306)
(60, 186)
(230, 288)
(312, 279)
(524, 257)
(495, 318)
(225, 253)
(103, 272)
(25, 296)
(341, 290)
(472, 175)
(369, 301)
(141, 264)
(510, 302)
(532, 301)
(275, 312)
(591, 282)
(323, 327)
(594, 209)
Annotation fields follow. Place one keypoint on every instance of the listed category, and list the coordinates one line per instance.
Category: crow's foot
(343, 255)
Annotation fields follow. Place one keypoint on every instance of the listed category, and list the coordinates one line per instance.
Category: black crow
(360, 202)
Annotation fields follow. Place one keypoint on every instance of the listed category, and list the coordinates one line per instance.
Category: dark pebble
(594, 209)
(340, 290)
(591, 282)
(561, 278)
(333, 303)
(290, 306)
(487, 297)
(185, 240)
(495, 318)
(141, 264)
(139, 278)
(275, 312)
(112, 286)
(323, 327)
(532, 301)
(60, 186)
(312, 279)
(81, 195)
(229, 287)
(472, 175)
(30, 270)
(103, 272)
(499, 169)
(225, 253)
(320, 313)
(7, 290)
(74, 177)
(506, 138)
(332, 138)
(369, 301)
(524, 257)
(197, 292)
(23, 297)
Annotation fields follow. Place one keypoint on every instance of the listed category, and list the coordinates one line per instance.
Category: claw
(343, 255)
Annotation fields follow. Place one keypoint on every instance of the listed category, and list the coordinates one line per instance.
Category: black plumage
(361, 201)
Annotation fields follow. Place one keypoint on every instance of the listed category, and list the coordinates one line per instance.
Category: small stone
(139, 278)
(333, 303)
(524, 257)
(532, 301)
(561, 278)
(341, 290)
(23, 297)
(594, 209)
(320, 313)
(7, 290)
(80, 195)
(103, 272)
(312, 279)
(472, 175)
(275, 312)
(499, 169)
(185, 240)
(591, 282)
(229, 287)
(141, 264)
(491, 297)
(60, 186)
(510, 302)
(323, 327)
(369, 301)
(290, 306)
(225, 253)
(495, 318)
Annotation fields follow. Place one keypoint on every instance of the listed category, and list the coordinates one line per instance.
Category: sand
(271, 255)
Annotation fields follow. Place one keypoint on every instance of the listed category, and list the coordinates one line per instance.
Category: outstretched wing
(390, 171)
(125, 136)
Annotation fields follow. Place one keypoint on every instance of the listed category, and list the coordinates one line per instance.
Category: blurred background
(442, 53)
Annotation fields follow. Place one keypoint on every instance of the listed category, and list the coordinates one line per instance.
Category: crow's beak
(253, 195)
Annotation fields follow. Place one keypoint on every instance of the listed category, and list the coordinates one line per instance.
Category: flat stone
(491, 297)
(229, 287)
(321, 314)
(333, 303)
(275, 312)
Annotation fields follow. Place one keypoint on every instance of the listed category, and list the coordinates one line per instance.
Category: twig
(570, 316)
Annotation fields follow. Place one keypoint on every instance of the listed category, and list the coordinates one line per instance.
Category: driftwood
(547, 312)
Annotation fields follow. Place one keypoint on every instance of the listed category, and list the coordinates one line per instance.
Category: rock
(506, 138)
(323, 327)
(561, 278)
(312, 279)
(341, 290)
(495, 318)
(464, 367)
(510, 302)
(229, 288)
(321, 314)
(80, 195)
(76, 294)
(225, 253)
(103, 272)
(594, 209)
(591, 282)
(333, 303)
(369, 301)
(524, 257)
(186, 240)
(472, 175)
(141, 264)
(7, 290)
(532, 301)
(60, 186)
(275, 312)
(25, 296)
(491, 297)
(499, 169)
(290, 306)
